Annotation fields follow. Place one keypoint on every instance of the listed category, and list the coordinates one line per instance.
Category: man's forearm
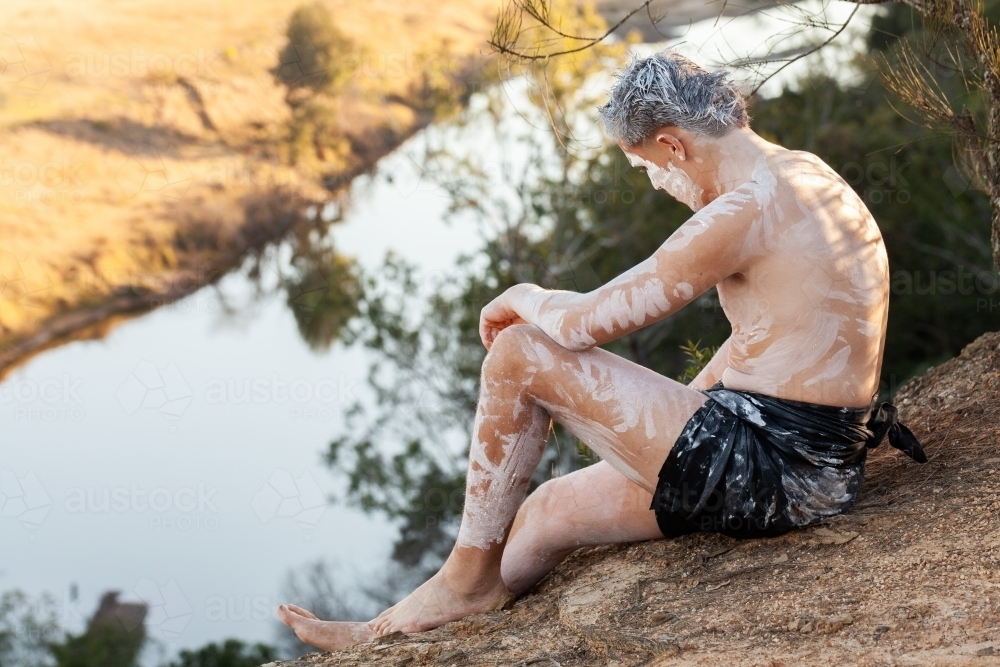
(556, 312)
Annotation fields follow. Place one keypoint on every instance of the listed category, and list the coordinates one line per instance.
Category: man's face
(671, 179)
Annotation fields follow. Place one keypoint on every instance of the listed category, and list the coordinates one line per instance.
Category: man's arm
(702, 252)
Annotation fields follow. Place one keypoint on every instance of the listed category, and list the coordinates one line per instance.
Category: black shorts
(750, 465)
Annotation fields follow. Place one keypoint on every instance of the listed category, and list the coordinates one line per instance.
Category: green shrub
(317, 56)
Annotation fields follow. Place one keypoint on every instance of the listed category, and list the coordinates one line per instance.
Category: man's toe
(284, 615)
(303, 612)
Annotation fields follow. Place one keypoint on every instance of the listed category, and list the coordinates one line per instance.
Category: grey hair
(669, 89)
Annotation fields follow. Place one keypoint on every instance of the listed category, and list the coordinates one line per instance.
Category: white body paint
(800, 268)
(802, 276)
(610, 408)
(671, 180)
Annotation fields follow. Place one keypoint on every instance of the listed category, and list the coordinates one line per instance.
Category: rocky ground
(909, 576)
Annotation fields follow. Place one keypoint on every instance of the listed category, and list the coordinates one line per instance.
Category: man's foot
(436, 602)
(327, 635)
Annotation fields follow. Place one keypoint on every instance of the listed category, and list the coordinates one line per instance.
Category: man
(770, 436)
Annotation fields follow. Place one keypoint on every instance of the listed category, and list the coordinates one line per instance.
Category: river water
(140, 463)
(122, 470)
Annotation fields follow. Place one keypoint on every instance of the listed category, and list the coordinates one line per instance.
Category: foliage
(697, 358)
(316, 56)
(947, 72)
(230, 653)
(27, 627)
(579, 216)
(323, 294)
(314, 134)
(429, 391)
(314, 65)
(103, 645)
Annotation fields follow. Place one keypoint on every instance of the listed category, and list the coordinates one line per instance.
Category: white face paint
(671, 180)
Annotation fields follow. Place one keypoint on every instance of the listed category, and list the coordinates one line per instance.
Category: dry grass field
(139, 141)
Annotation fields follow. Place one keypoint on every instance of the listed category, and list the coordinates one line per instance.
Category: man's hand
(496, 316)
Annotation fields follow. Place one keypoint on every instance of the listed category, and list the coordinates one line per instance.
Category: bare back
(809, 306)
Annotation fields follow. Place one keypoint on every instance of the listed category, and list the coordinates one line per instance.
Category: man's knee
(515, 346)
(548, 521)
(548, 504)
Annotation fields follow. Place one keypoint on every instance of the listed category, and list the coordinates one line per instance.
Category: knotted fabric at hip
(885, 421)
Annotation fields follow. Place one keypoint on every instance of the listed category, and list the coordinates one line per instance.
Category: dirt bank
(141, 142)
(908, 577)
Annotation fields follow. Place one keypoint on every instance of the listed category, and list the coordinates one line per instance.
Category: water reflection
(258, 358)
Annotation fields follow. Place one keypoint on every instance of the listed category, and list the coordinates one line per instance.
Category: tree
(961, 41)
(579, 216)
(317, 54)
(315, 63)
(27, 627)
(230, 653)
(102, 646)
(948, 73)
(322, 293)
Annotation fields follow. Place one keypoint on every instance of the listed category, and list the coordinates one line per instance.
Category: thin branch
(807, 53)
(503, 39)
(653, 22)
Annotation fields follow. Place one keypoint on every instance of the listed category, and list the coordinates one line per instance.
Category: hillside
(142, 141)
(909, 576)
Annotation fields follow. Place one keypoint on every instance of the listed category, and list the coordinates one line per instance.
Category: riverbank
(142, 144)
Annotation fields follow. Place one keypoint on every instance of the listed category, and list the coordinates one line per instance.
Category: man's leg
(587, 507)
(628, 414)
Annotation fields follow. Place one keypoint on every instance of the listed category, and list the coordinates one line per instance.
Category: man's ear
(669, 141)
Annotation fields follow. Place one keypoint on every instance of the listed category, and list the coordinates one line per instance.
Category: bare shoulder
(804, 169)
